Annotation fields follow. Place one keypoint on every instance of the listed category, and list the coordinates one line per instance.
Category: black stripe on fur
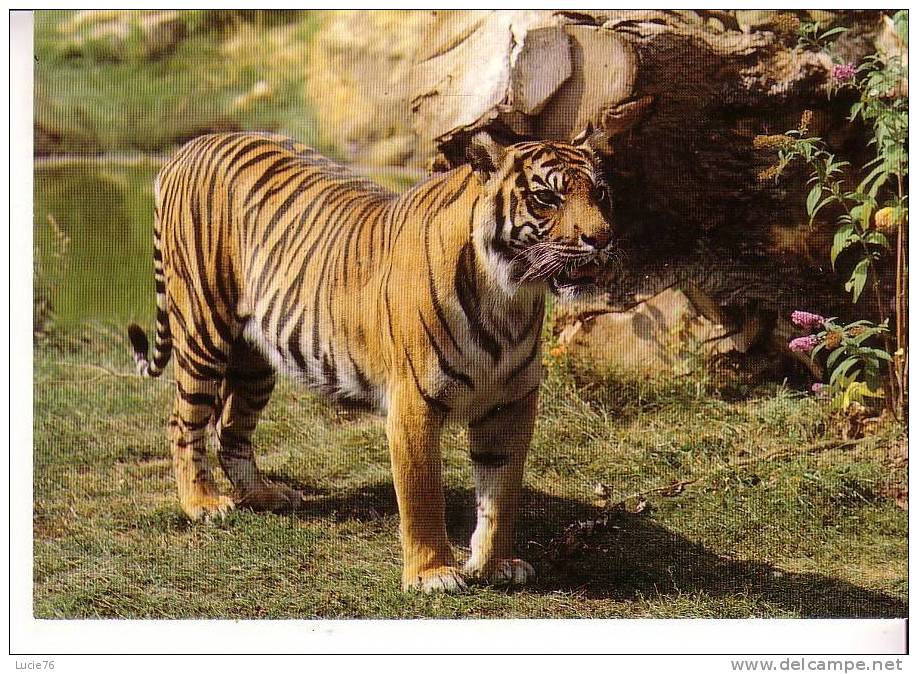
(139, 341)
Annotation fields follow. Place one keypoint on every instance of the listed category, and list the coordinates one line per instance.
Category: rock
(715, 24)
(754, 19)
(535, 72)
(604, 71)
(683, 95)
(668, 333)
(543, 64)
(889, 45)
(123, 34)
(465, 74)
(823, 16)
(357, 82)
(260, 91)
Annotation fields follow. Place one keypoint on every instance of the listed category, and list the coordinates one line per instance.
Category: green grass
(793, 533)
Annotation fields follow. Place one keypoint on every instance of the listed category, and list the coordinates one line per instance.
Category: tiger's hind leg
(246, 389)
(195, 399)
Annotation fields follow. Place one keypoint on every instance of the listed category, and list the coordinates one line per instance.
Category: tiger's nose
(597, 240)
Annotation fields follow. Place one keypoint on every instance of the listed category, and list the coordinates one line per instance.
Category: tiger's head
(549, 220)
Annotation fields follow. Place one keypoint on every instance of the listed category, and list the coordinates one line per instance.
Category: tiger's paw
(445, 579)
(500, 572)
(271, 497)
(208, 507)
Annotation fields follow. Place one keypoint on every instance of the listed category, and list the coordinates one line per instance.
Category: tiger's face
(552, 215)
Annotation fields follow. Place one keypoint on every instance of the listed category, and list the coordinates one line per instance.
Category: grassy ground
(784, 520)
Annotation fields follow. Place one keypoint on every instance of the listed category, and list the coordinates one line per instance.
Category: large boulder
(358, 83)
(664, 333)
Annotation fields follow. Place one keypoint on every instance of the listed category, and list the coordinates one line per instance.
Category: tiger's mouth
(578, 278)
(566, 273)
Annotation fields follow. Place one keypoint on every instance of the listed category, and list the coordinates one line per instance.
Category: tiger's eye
(546, 198)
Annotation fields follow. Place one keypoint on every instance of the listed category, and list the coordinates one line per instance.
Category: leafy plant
(871, 203)
(48, 272)
(855, 365)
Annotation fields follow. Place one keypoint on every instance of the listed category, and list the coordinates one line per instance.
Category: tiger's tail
(162, 347)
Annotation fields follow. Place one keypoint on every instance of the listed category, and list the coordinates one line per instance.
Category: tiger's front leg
(499, 444)
(413, 430)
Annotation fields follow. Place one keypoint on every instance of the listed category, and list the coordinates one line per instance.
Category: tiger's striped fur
(426, 306)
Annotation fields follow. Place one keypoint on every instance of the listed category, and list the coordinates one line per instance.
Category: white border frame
(28, 635)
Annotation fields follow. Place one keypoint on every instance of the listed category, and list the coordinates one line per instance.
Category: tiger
(426, 306)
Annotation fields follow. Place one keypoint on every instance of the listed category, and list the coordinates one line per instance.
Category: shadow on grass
(627, 557)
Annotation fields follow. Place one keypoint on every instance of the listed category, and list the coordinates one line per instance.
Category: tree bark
(683, 94)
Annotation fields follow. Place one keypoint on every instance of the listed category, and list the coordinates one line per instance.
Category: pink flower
(805, 319)
(803, 344)
(843, 72)
(818, 387)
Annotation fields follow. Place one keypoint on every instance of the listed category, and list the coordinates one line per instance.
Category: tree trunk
(683, 94)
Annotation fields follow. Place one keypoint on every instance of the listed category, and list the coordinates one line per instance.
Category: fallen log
(683, 94)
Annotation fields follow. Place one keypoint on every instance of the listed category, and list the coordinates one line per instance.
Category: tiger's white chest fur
(493, 379)
(505, 381)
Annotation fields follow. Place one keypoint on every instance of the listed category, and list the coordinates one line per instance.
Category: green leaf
(812, 199)
(834, 357)
(880, 174)
(841, 241)
(857, 391)
(843, 369)
(863, 337)
(858, 279)
(828, 200)
(862, 212)
(834, 167)
(833, 31)
(876, 238)
(855, 109)
(877, 353)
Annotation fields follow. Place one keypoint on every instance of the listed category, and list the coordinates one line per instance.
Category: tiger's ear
(485, 155)
(593, 139)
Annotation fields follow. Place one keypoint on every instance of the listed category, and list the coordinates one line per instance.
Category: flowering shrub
(806, 320)
(803, 344)
(856, 367)
(870, 214)
(844, 72)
